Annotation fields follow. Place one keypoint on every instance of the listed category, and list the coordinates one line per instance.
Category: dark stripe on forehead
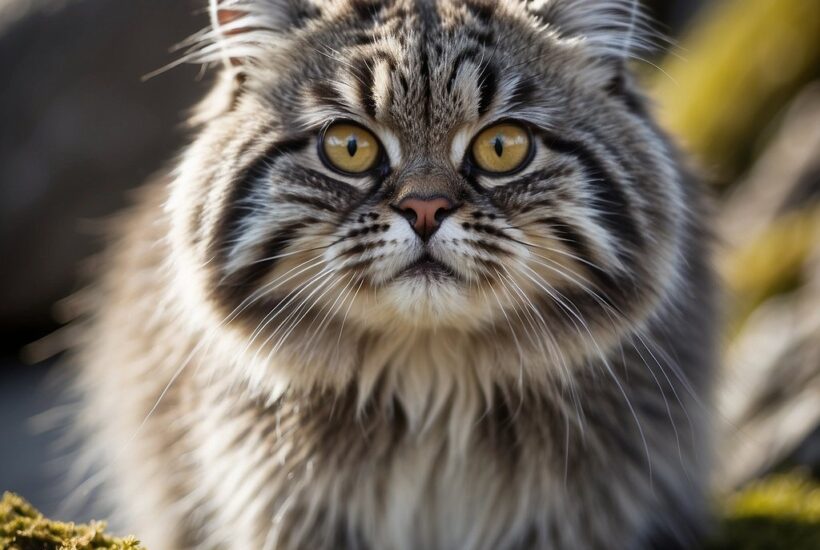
(324, 92)
(369, 9)
(303, 12)
(425, 78)
(427, 20)
(483, 37)
(523, 93)
(483, 10)
(236, 205)
(487, 85)
(362, 72)
(612, 205)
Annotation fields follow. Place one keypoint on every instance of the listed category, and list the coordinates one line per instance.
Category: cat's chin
(426, 295)
(426, 270)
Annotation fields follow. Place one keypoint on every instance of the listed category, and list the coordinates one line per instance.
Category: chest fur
(323, 473)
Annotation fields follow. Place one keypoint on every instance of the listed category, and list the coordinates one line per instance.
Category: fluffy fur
(259, 366)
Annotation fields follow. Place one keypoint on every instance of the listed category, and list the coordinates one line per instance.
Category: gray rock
(79, 127)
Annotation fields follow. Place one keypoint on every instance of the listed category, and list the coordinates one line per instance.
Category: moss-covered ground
(24, 528)
(781, 512)
(778, 513)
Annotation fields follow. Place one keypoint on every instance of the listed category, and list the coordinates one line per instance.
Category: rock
(79, 129)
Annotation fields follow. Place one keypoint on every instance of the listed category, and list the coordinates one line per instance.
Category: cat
(429, 275)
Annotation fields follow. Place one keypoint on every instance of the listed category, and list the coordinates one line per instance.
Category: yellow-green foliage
(771, 263)
(734, 71)
(780, 512)
(24, 528)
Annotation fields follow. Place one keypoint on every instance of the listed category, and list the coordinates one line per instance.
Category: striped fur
(260, 371)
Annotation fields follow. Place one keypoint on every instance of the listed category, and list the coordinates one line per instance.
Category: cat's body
(263, 370)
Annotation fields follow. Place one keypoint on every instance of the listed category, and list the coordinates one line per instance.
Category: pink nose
(425, 215)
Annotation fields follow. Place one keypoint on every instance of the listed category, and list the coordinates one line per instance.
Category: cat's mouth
(428, 267)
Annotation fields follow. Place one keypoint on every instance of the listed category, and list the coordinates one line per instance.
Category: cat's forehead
(425, 69)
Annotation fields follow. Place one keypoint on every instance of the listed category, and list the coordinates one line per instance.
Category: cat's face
(466, 165)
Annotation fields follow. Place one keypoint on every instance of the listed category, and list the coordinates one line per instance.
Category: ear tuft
(245, 30)
(611, 28)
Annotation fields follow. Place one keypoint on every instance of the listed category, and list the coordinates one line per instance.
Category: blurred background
(738, 84)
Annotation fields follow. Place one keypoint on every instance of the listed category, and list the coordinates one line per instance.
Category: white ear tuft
(244, 30)
(612, 28)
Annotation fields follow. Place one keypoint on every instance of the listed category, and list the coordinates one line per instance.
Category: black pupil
(499, 146)
(352, 146)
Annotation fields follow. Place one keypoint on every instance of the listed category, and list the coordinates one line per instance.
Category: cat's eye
(502, 148)
(349, 148)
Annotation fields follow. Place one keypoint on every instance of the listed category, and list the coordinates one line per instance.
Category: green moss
(24, 528)
(780, 512)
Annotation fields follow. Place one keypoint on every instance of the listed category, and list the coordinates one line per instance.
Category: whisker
(330, 310)
(286, 301)
(601, 356)
(512, 331)
(321, 279)
(298, 320)
(344, 319)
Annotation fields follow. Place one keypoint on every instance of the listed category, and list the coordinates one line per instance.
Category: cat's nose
(425, 214)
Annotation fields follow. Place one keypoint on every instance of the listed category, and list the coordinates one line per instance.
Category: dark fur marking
(304, 12)
(481, 10)
(523, 93)
(425, 78)
(366, 9)
(488, 247)
(619, 88)
(489, 229)
(483, 37)
(618, 221)
(516, 193)
(487, 86)
(236, 210)
(324, 92)
(319, 204)
(361, 247)
(472, 180)
(237, 287)
(364, 38)
(580, 247)
(427, 17)
(362, 71)
(342, 193)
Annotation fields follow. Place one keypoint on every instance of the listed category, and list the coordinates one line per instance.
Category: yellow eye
(350, 148)
(502, 148)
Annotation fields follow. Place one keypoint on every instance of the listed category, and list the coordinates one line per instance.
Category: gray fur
(259, 374)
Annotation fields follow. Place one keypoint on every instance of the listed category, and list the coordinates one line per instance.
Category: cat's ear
(242, 30)
(609, 32)
(613, 29)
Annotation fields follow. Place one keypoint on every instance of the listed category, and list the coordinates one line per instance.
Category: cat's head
(454, 165)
